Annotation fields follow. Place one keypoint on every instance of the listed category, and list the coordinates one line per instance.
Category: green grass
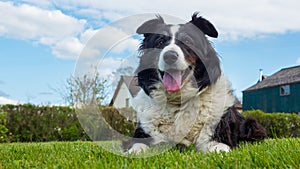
(272, 153)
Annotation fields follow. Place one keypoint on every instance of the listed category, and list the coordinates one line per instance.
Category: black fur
(204, 25)
(203, 61)
(206, 66)
(147, 78)
(234, 128)
(139, 136)
(150, 25)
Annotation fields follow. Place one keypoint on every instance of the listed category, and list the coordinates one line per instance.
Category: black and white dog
(186, 99)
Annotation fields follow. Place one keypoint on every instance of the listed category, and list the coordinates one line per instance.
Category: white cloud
(49, 27)
(68, 48)
(115, 39)
(4, 100)
(298, 61)
(108, 65)
(67, 35)
(30, 22)
(233, 18)
(71, 48)
(40, 3)
(87, 35)
(106, 41)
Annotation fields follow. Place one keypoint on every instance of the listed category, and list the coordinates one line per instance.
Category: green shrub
(3, 129)
(106, 123)
(27, 123)
(120, 119)
(277, 124)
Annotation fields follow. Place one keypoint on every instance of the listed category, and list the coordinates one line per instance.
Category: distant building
(238, 105)
(279, 92)
(127, 88)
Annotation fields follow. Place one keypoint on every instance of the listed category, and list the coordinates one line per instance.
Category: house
(238, 105)
(279, 92)
(126, 89)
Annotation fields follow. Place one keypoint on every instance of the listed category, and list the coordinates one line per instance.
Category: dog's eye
(159, 42)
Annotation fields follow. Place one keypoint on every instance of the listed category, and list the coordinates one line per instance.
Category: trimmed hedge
(117, 119)
(3, 129)
(29, 123)
(106, 123)
(278, 125)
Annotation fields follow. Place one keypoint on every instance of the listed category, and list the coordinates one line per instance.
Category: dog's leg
(220, 136)
(138, 148)
(206, 144)
(218, 147)
(228, 129)
(210, 146)
(207, 140)
(234, 128)
(140, 141)
(231, 129)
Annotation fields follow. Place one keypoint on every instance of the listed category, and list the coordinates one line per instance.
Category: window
(284, 90)
(127, 102)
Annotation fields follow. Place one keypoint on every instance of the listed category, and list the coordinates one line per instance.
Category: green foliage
(271, 153)
(27, 123)
(3, 129)
(86, 89)
(116, 118)
(105, 123)
(277, 124)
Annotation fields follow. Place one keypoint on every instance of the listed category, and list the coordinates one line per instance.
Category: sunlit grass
(271, 153)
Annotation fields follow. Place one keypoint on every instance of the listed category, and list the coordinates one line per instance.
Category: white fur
(218, 147)
(174, 29)
(186, 118)
(180, 64)
(138, 148)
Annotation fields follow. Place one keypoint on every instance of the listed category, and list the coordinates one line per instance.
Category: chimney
(260, 75)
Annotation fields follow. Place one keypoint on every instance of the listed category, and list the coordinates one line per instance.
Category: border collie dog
(186, 99)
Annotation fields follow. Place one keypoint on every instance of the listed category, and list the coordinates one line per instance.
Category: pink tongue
(172, 81)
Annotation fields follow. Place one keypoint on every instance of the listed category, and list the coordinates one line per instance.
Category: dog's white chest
(194, 118)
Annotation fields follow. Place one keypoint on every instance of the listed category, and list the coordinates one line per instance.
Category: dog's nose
(170, 57)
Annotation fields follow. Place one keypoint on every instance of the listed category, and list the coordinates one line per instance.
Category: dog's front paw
(218, 147)
(138, 148)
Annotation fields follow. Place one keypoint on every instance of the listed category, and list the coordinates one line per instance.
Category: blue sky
(29, 72)
(40, 41)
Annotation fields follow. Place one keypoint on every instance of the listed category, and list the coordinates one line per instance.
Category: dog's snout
(170, 57)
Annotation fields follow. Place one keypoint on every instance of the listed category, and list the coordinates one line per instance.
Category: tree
(84, 90)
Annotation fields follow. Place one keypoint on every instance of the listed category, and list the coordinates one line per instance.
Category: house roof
(130, 82)
(284, 76)
(238, 104)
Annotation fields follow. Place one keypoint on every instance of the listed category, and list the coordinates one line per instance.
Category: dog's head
(175, 55)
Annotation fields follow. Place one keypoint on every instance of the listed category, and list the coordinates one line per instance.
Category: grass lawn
(272, 153)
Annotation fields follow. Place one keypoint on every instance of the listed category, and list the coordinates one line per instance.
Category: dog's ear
(204, 25)
(148, 26)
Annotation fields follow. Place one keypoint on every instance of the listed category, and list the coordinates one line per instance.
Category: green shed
(279, 92)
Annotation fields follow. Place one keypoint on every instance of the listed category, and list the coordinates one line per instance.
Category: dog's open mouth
(173, 79)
